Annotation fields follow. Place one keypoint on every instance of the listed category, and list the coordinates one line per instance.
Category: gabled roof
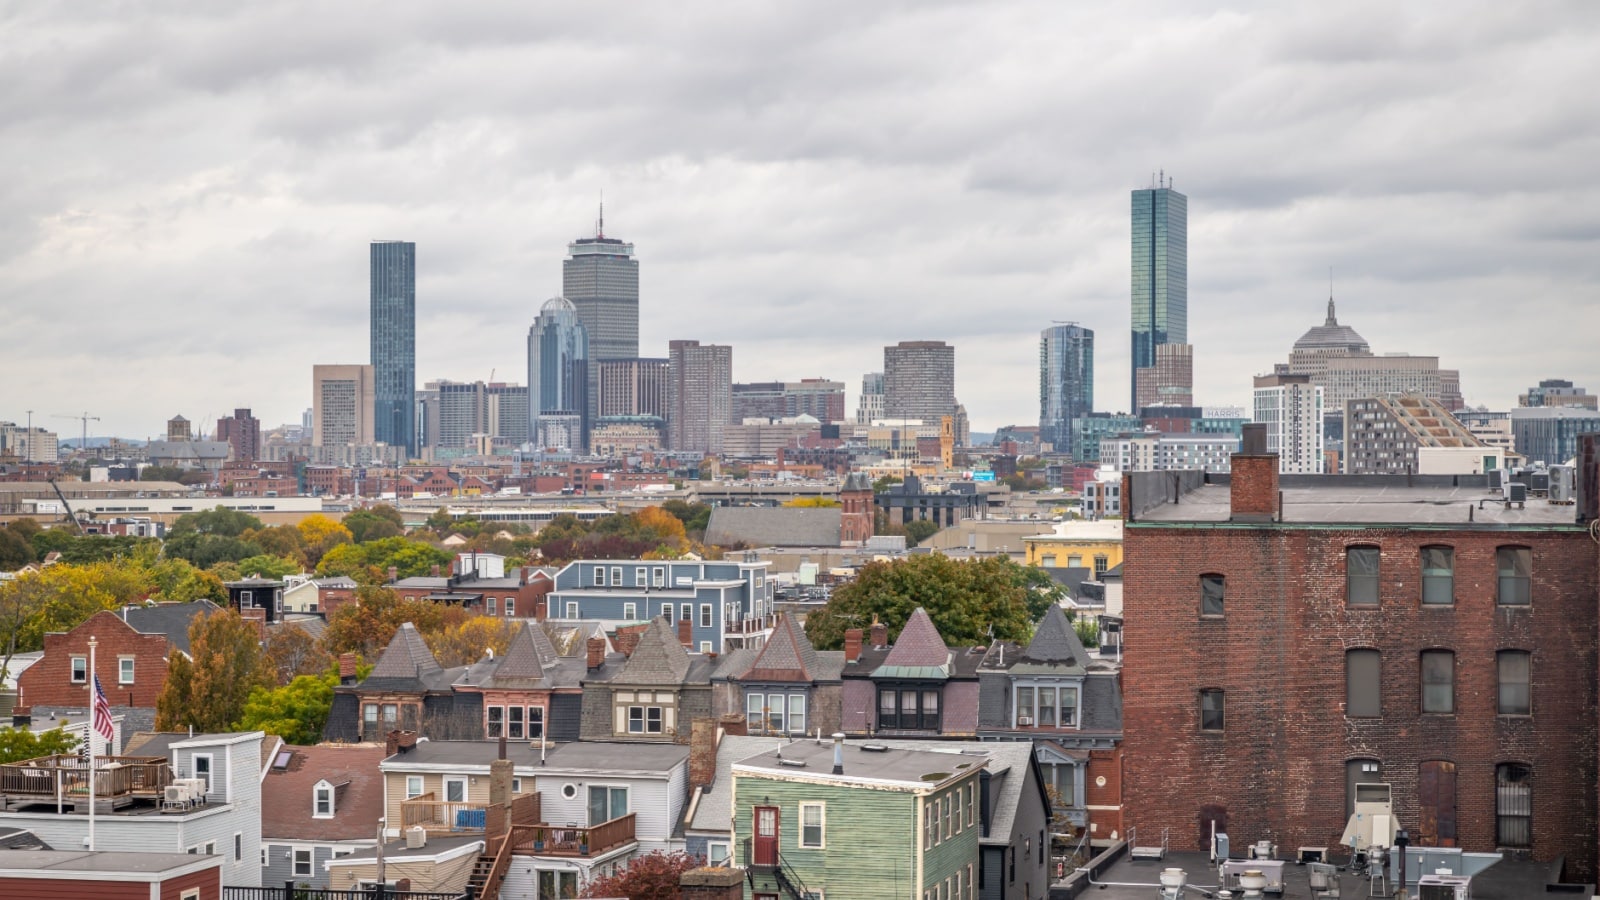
(779, 526)
(919, 651)
(787, 655)
(170, 619)
(352, 771)
(528, 658)
(658, 659)
(407, 664)
(1055, 647)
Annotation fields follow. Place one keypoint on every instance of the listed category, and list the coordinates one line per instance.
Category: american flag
(102, 712)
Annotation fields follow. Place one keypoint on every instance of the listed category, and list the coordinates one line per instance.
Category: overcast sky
(189, 193)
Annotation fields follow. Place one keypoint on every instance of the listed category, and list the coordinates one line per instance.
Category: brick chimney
(686, 633)
(394, 574)
(347, 668)
(712, 883)
(702, 752)
(596, 649)
(852, 644)
(1253, 484)
(399, 742)
(880, 634)
(258, 616)
(627, 641)
(500, 777)
(434, 570)
(734, 723)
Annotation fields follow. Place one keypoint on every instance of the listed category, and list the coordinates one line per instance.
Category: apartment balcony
(572, 840)
(753, 625)
(118, 780)
(446, 817)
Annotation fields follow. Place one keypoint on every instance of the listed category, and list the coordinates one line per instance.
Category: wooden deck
(118, 781)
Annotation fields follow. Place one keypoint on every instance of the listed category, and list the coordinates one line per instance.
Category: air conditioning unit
(1444, 887)
(196, 787)
(1025, 721)
(177, 793)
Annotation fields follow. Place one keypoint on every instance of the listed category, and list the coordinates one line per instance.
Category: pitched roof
(778, 526)
(528, 657)
(787, 655)
(659, 658)
(406, 662)
(1056, 642)
(919, 644)
(352, 770)
(170, 619)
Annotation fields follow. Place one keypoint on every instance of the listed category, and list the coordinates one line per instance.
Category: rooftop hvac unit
(1563, 482)
(177, 793)
(1444, 887)
(1539, 482)
(416, 837)
(1518, 493)
(1497, 479)
(1372, 824)
(197, 786)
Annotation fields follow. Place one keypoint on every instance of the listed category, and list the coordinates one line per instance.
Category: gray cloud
(190, 192)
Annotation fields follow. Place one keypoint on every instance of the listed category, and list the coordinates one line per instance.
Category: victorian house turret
(914, 688)
(657, 692)
(784, 687)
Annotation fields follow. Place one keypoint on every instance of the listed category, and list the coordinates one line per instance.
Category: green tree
(15, 551)
(374, 523)
(883, 482)
(279, 540)
(268, 566)
(694, 516)
(919, 530)
(17, 744)
(369, 561)
(964, 598)
(220, 520)
(205, 550)
(295, 712)
(209, 692)
(653, 876)
(1088, 631)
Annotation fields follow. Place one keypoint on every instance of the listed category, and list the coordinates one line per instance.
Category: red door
(766, 845)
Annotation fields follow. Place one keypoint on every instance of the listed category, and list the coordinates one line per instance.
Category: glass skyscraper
(394, 343)
(558, 377)
(1066, 382)
(1160, 276)
(601, 278)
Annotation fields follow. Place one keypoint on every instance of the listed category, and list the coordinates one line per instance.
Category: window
(1074, 562)
(202, 768)
(666, 612)
(190, 894)
(511, 606)
(1211, 702)
(630, 611)
(607, 803)
(572, 609)
(652, 720)
(959, 796)
(516, 785)
(557, 883)
(1513, 805)
(599, 576)
(705, 646)
(1100, 566)
(413, 786)
(686, 613)
(705, 615)
(210, 848)
(238, 847)
(492, 607)
(946, 807)
(1515, 669)
(636, 720)
(514, 723)
(1361, 576)
(322, 800)
(658, 577)
(616, 576)
(263, 855)
(1438, 576)
(797, 713)
(497, 717)
(811, 817)
(972, 885)
(1061, 778)
(639, 576)
(717, 853)
(1211, 595)
(1438, 681)
(535, 722)
(1362, 684)
(972, 802)
(80, 669)
(1515, 566)
(302, 862)
(455, 790)
(125, 670)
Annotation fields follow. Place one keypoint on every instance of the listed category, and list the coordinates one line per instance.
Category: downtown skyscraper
(558, 378)
(1066, 382)
(601, 278)
(1160, 276)
(394, 343)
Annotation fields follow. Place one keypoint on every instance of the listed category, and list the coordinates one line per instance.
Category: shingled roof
(787, 655)
(919, 651)
(170, 619)
(1055, 646)
(528, 657)
(658, 659)
(406, 664)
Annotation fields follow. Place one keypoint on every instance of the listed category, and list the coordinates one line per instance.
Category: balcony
(754, 625)
(118, 780)
(445, 817)
(571, 840)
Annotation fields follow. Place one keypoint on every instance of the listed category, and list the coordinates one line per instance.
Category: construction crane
(71, 516)
(85, 418)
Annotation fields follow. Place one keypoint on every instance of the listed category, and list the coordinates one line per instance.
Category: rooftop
(1438, 500)
(64, 862)
(870, 761)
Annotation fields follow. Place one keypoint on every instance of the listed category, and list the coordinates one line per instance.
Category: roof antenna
(1162, 181)
(600, 229)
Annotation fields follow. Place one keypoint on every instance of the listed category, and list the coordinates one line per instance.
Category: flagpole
(88, 735)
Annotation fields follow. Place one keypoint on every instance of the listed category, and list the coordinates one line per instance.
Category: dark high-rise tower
(1066, 382)
(1160, 275)
(558, 378)
(601, 278)
(394, 343)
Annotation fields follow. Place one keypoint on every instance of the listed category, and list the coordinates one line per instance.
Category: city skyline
(796, 192)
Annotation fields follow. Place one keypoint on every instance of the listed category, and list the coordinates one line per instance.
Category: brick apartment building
(1288, 639)
(131, 656)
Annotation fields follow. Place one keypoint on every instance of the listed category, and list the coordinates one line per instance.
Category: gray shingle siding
(994, 700)
(1102, 702)
(566, 716)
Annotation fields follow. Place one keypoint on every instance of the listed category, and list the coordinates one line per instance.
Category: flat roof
(920, 768)
(588, 756)
(1368, 503)
(23, 863)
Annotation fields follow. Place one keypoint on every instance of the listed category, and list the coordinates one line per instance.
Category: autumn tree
(653, 876)
(319, 534)
(292, 653)
(812, 503)
(694, 516)
(280, 540)
(207, 690)
(964, 598)
(466, 641)
(370, 561)
(366, 626)
(295, 712)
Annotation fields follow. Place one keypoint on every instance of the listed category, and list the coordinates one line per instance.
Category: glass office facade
(1160, 296)
(558, 372)
(1066, 382)
(394, 342)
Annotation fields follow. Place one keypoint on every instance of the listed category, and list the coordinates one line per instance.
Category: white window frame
(410, 794)
(572, 609)
(80, 670)
(190, 894)
(666, 612)
(706, 620)
(294, 861)
(658, 577)
(125, 670)
(711, 852)
(211, 770)
(316, 800)
(516, 784)
(821, 826)
(630, 611)
(444, 791)
(490, 725)
(705, 646)
(599, 576)
(511, 606)
(616, 576)
(491, 606)
(790, 716)
(686, 613)
(639, 576)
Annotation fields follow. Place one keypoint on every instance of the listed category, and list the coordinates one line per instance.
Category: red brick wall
(1278, 767)
(1254, 485)
(1104, 801)
(49, 681)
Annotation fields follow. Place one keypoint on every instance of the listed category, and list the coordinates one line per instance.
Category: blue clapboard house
(727, 603)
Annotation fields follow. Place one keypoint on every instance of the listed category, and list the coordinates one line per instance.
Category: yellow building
(1078, 543)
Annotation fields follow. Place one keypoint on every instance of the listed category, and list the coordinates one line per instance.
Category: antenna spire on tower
(600, 227)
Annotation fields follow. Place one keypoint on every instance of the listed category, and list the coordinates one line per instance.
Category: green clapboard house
(857, 821)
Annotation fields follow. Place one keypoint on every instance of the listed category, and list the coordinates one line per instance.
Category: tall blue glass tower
(1160, 276)
(394, 343)
(558, 377)
(1066, 382)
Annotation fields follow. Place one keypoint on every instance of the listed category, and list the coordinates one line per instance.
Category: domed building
(1311, 352)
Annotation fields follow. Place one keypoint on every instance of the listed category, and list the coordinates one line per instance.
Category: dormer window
(322, 800)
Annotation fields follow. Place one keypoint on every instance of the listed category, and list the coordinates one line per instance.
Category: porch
(64, 778)
(572, 840)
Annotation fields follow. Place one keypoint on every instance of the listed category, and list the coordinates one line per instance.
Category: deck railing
(443, 815)
(115, 776)
(572, 840)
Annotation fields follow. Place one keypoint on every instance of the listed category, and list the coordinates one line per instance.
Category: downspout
(917, 848)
